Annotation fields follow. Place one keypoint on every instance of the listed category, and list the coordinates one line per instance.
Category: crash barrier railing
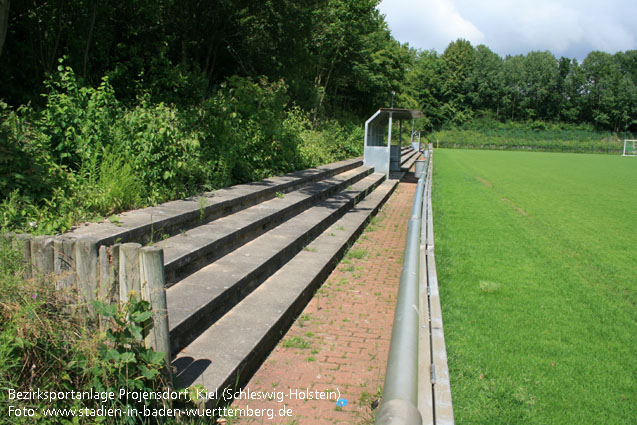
(402, 404)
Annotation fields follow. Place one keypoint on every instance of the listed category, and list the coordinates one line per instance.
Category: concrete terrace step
(191, 250)
(203, 297)
(228, 352)
(409, 156)
(172, 217)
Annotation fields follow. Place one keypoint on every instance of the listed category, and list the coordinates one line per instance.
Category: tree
(514, 87)
(425, 81)
(4, 21)
(485, 81)
(458, 61)
(541, 76)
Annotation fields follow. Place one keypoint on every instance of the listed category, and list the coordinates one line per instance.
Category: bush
(534, 135)
(86, 155)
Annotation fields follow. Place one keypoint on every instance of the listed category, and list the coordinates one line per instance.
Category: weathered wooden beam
(42, 255)
(108, 286)
(129, 271)
(64, 262)
(151, 264)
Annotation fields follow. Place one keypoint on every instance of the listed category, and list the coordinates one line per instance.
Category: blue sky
(570, 28)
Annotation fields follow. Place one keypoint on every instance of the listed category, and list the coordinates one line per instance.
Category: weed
(295, 342)
(348, 268)
(305, 317)
(358, 253)
(489, 287)
(280, 195)
(203, 203)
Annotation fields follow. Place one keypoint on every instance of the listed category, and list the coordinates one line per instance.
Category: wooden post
(151, 264)
(129, 271)
(86, 268)
(64, 262)
(22, 242)
(108, 289)
(42, 255)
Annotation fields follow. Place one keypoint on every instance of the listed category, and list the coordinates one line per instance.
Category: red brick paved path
(341, 341)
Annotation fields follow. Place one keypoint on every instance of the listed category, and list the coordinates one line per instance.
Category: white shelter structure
(379, 152)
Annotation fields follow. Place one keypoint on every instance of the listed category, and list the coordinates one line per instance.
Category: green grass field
(537, 263)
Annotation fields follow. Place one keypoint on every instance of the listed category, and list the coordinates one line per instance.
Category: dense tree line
(334, 55)
(466, 82)
(115, 104)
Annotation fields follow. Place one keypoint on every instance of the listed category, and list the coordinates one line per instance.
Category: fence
(110, 274)
(416, 389)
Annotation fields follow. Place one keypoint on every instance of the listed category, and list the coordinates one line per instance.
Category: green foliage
(86, 155)
(532, 136)
(126, 362)
(296, 342)
(326, 143)
(466, 82)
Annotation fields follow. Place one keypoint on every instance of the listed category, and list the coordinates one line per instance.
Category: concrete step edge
(233, 365)
(173, 216)
(214, 301)
(241, 228)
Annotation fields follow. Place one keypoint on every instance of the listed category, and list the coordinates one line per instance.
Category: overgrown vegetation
(156, 100)
(530, 136)
(87, 155)
(49, 344)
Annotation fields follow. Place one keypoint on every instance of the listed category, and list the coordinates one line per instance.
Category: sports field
(537, 263)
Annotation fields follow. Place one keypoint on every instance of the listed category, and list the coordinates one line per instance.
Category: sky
(570, 28)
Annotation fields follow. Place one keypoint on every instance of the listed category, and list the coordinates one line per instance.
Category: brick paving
(340, 343)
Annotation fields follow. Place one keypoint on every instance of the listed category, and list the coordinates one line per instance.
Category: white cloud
(428, 24)
(448, 22)
(569, 28)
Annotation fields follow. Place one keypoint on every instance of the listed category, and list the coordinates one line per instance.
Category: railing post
(151, 267)
(129, 271)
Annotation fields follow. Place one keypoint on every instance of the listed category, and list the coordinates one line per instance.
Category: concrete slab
(252, 328)
(190, 250)
(171, 217)
(220, 285)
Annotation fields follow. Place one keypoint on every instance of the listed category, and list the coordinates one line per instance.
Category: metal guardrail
(400, 391)
(417, 320)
